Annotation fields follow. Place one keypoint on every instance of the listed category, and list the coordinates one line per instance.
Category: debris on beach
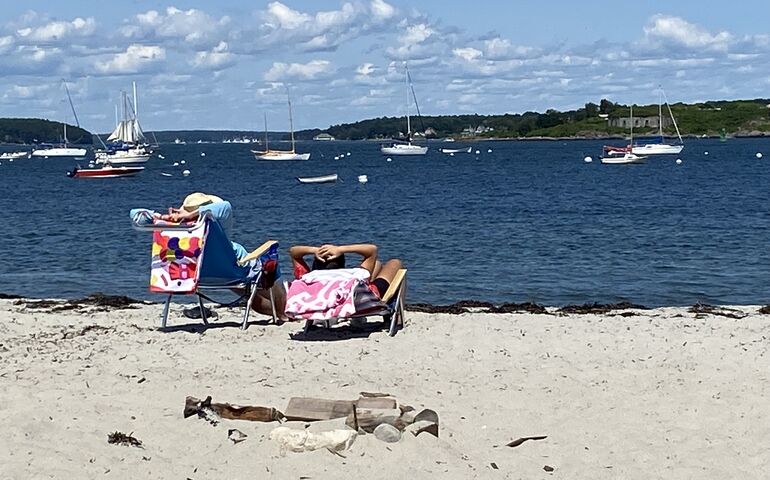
(236, 436)
(97, 300)
(120, 438)
(205, 409)
(520, 440)
(295, 440)
(764, 310)
(548, 468)
(704, 309)
(453, 309)
(595, 308)
(528, 307)
(465, 306)
(9, 296)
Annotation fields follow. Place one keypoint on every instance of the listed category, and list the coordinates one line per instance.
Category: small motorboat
(107, 171)
(322, 179)
(626, 158)
(13, 155)
(455, 150)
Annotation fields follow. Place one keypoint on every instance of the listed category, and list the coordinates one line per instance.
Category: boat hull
(404, 150)
(60, 152)
(280, 156)
(657, 149)
(113, 172)
(626, 159)
(122, 158)
(321, 179)
(456, 150)
(14, 155)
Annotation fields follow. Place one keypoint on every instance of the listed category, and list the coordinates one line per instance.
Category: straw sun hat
(195, 200)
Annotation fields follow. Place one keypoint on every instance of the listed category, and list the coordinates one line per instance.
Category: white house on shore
(323, 137)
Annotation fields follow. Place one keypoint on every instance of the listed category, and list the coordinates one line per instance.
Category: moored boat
(292, 154)
(455, 150)
(14, 155)
(322, 179)
(406, 148)
(107, 171)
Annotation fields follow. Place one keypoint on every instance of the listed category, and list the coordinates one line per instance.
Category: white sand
(659, 395)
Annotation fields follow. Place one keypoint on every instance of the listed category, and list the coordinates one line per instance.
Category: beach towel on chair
(176, 255)
(326, 294)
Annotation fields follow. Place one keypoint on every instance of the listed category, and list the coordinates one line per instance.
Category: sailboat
(62, 151)
(406, 148)
(127, 140)
(623, 157)
(660, 148)
(292, 154)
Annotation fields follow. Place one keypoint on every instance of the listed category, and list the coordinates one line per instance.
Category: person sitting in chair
(197, 204)
(327, 257)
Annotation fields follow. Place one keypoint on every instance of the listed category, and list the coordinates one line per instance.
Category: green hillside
(36, 130)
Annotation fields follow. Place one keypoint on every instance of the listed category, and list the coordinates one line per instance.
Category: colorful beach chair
(197, 258)
(390, 307)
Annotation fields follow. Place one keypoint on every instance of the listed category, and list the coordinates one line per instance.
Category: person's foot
(195, 312)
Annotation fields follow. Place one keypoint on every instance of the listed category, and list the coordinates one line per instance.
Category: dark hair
(332, 263)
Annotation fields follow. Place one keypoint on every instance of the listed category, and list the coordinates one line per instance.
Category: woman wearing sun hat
(198, 203)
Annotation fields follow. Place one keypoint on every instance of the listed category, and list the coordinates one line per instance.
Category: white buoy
(161, 156)
(678, 161)
(705, 153)
(478, 152)
(176, 164)
(363, 179)
(336, 157)
(185, 172)
(389, 159)
(348, 154)
(451, 154)
(203, 154)
(182, 162)
(588, 159)
(489, 151)
(759, 155)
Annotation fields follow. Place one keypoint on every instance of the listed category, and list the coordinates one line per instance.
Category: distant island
(603, 120)
(36, 130)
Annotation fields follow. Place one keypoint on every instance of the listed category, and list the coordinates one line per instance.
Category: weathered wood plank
(312, 409)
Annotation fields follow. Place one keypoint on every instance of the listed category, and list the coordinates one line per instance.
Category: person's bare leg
(376, 270)
(389, 270)
(262, 305)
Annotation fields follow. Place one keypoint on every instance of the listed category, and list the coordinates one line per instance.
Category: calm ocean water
(529, 221)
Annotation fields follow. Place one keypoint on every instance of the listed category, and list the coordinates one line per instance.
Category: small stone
(387, 433)
(548, 468)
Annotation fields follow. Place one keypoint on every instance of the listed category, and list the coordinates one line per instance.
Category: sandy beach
(661, 393)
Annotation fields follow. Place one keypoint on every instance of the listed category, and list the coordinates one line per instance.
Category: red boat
(104, 172)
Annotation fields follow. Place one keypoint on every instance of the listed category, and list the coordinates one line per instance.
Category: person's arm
(298, 252)
(366, 250)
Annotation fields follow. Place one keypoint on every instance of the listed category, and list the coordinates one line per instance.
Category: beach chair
(197, 258)
(390, 307)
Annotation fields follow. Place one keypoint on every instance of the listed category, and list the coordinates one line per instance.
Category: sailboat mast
(676, 127)
(632, 127)
(136, 104)
(266, 141)
(660, 114)
(408, 123)
(291, 121)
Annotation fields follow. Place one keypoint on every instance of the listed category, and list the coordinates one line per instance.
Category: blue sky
(221, 65)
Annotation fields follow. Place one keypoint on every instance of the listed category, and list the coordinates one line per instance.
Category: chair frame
(392, 310)
(250, 287)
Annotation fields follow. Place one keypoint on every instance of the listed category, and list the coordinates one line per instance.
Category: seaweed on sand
(121, 438)
(99, 300)
(702, 308)
(595, 308)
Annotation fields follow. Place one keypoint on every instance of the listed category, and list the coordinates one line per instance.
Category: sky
(225, 64)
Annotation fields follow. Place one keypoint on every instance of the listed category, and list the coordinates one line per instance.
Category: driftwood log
(194, 406)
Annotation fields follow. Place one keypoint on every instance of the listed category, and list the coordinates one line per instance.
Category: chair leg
(246, 312)
(308, 324)
(272, 305)
(397, 319)
(203, 311)
(164, 318)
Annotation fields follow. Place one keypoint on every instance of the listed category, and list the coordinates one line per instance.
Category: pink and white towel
(325, 294)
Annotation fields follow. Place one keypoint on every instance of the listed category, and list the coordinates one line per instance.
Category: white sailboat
(128, 140)
(284, 155)
(624, 157)
(64, 150)
(660, 148)
(407, 148)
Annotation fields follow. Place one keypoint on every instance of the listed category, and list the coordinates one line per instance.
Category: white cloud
(57, 31)
(135, 59)
(670, 29)
(187, 27)
(286, 71)
(216, 59)
(468, 54)
(382, 10)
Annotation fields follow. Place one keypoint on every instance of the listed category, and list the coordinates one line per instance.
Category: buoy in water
(588, 159)
(185, 172)
(176, 164)
(336, 157)
(759, 155)
(363, 179)
(182, 162)
(451, 154)
(705, 153)
(389, 159)
(348, 154)
(678, 161)
(203, 154)
(489, 151)
(478, 152)
(161, 156)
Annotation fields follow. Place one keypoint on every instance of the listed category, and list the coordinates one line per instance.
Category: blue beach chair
(197, 258)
